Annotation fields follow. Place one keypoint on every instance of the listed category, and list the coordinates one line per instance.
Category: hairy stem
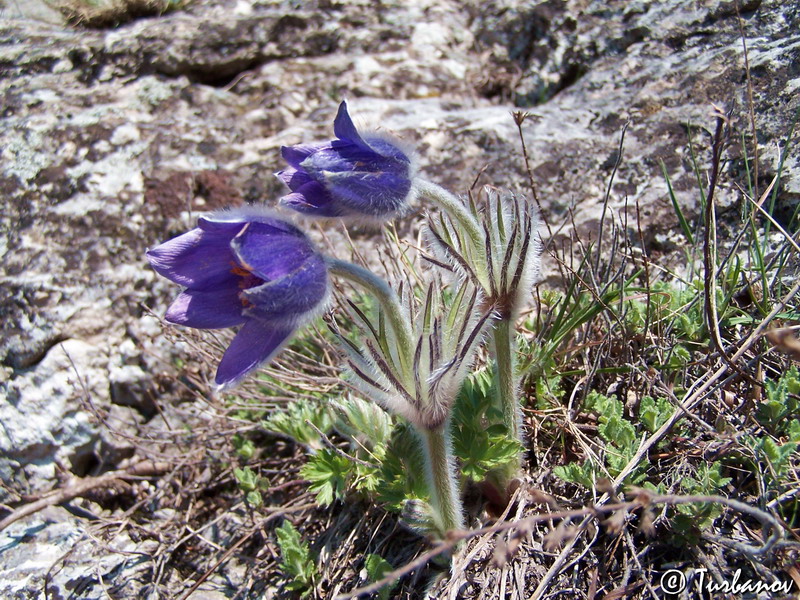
(504, 342)
(385, 296)
(440, 470)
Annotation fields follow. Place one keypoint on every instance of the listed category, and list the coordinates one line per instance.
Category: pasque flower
(368, 176)
(247, 269)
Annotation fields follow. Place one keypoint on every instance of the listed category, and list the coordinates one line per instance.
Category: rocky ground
(112, 140)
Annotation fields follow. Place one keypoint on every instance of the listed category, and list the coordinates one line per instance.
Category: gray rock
(38, 10)
(56, 551)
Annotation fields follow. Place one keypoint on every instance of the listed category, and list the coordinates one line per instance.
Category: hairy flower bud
(421, 385)
(504, 263)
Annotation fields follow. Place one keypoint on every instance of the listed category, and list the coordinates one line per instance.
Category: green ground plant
(296, 562)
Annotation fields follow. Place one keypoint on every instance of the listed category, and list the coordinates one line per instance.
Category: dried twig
(81, 486)
(643, 499)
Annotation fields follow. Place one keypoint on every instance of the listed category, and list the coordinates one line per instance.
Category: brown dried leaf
(540, 497)
(604, 486)
(785, 341)
(639, 495)
(647, 523)
(616, 521)
(504, 551)
(559, 536)
(622, 592)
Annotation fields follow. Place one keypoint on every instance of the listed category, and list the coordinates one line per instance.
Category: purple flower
(352, 176)
(252, 270)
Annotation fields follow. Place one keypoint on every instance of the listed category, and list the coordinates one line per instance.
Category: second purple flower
(368, 176)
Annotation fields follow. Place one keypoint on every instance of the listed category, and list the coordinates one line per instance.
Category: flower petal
(294, 155)
(255, 344)
(292, 296)
(312, 199)
(343, 126)
(294, 178)
(346, 156)
(386, 148)
(207, 309)
(375, 194)
(232, 221)
(211, 225)
(269, 254)
(197, 259)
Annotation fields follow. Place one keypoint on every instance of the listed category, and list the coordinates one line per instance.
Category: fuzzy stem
(440, 470)
(385, 296)
(504, 343)
(454, 208)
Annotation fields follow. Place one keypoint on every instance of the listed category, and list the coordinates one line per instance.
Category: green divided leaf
(402, 470)
(617, 431)
(576, 473)
(778, 455)
(480, 440)
(296, 561)
(292, 422)
(781, 401)
(328, 473)
(794, 430)
(244, 447)
(377, 568)
(621, 440)
(364, 422)
(654, 413)
(689, 519)
(248, 481)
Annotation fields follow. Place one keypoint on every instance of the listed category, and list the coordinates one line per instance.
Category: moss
(101, 14)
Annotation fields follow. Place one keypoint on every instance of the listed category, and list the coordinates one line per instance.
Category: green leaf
(480, 440)
(254, 499)
(618, 458)
(579, 474)
(377, 568)
(676, 207)
(777, 455)
(794, 430)
(243, 446)
(709, 479)
(654, 413)
(328, 473)
(605, 406)
(365, 423)
(292, 423)
(781, 402)
(690, 519)
(296, 561)
(617, 431)
(679, 356)
(247, 479)
(402, 469)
